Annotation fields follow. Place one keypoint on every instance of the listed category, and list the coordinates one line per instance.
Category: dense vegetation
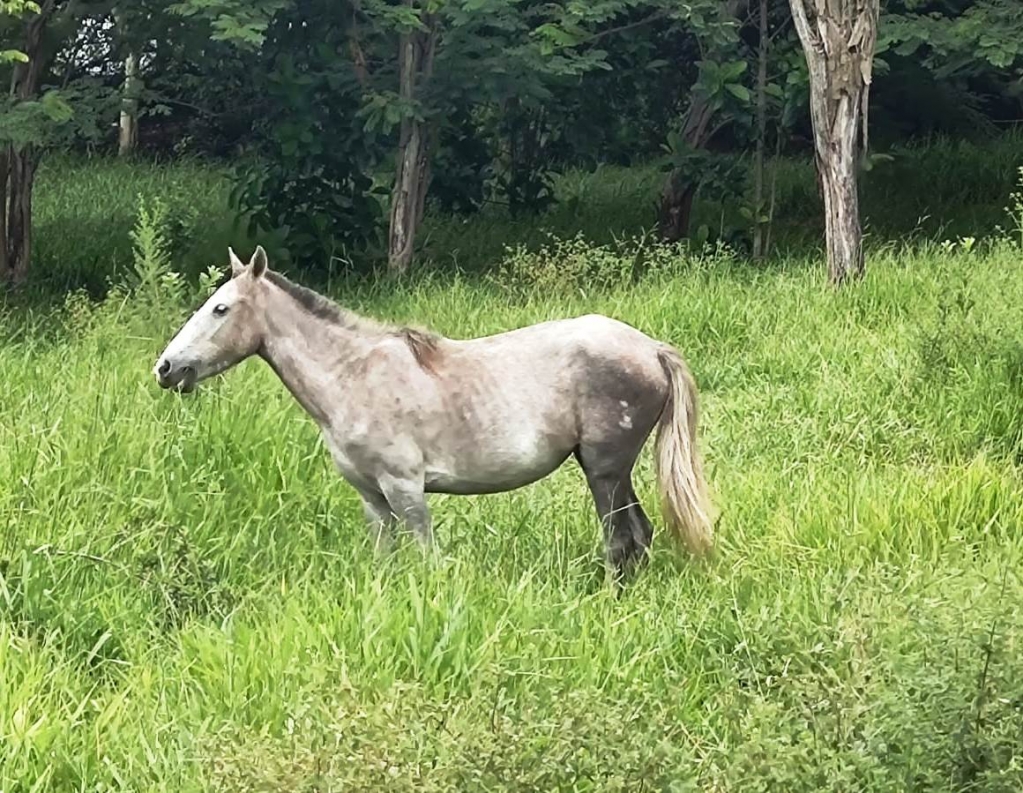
(342, 124)
(188, 600)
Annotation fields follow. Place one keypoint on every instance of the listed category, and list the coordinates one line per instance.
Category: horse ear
(258, 262)
(237, 266)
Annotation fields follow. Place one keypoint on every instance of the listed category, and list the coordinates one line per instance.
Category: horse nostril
(165, 367)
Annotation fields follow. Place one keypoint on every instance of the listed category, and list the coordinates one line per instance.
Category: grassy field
(188, 600)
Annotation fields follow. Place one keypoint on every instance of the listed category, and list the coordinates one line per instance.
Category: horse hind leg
(642, 528)
(627, 530)
(628, 544)
(618, 411)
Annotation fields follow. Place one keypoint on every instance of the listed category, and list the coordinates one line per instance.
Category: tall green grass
(189, 601)
(85, 208)
(929, 191)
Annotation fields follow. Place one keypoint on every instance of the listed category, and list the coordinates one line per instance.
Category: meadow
(189, 602)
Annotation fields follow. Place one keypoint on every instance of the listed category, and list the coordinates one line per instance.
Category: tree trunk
(676, 207)
(16, 187)
(676, 210)
(838, 39)
(128, 135)
(837, 167)
(18, 165)
(759, 244)
(679, 192)
(411, 180)
(409, 195)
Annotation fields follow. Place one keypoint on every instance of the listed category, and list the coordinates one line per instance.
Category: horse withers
(406, 412)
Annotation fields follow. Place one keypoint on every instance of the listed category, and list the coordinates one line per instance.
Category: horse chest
(363, 454)
(347, 459)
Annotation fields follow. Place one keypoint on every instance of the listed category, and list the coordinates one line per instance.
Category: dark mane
(315, 303)
(422, 343)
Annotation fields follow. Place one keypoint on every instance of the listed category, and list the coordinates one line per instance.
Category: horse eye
(219, 310)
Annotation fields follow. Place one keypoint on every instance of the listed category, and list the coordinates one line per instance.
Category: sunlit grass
(188, 600)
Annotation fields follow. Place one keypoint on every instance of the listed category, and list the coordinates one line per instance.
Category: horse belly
(498, 465)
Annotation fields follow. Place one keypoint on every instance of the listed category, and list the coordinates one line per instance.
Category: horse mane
(423, 344)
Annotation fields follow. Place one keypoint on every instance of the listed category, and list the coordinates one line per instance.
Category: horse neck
(308, 352)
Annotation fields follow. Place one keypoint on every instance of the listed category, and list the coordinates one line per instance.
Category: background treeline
(342, 127)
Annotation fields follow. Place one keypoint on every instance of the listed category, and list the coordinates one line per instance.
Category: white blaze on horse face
(626, 422)
(216, 337)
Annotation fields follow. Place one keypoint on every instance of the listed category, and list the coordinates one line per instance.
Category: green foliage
(1015, 210)
(717, 80)
(310, 170)
(312, 176)
(15, 9)
(987, 33)
(153, 279)
(71, 104)
(576, 266)
(243, 22)
(518, 93)
(462, 167)
(526, 166)
(953, 68)
(720, 177)
(307, 165)
(24, 122)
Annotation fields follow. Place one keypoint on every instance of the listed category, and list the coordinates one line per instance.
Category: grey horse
(405, 412)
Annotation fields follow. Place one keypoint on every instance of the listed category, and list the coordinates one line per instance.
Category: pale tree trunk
(18, 164)
(838, 38)
(129, 127)
(759, 238)
(411, 180)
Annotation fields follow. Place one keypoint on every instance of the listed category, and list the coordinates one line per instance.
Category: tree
(417, 47)
(128, 124)
(459, 54)
(415, 66)
(307, 161)
(838, 39)
(19, 157)
(56, 97)
(717, 87)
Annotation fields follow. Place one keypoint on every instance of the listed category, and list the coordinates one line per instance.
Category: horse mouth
(186, 385)
(183, 381)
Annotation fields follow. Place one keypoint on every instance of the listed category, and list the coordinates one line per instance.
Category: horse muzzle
(180, 378)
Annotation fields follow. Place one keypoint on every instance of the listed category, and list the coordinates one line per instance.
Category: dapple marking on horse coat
(406, 412)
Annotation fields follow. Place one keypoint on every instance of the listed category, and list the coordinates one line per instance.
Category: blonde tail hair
(684, 501)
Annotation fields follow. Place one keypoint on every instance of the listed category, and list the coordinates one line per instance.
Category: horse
(406, 412)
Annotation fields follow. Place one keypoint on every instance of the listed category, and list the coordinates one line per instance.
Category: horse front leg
(380, 521)
(407, 500)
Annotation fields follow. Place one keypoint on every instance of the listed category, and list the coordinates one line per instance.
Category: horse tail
(684, 501)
